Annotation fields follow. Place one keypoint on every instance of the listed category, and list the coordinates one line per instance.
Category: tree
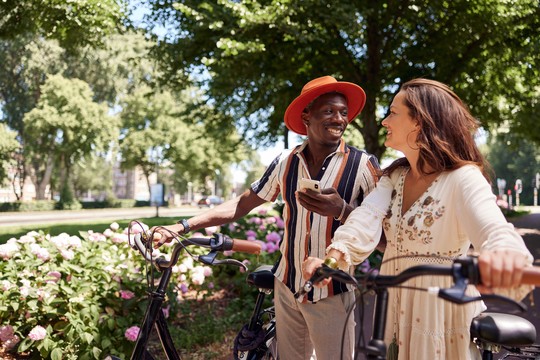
(512, 158)
(66, 126)
(9, 147)
(163, 131)
(254, 56)
(72, 23)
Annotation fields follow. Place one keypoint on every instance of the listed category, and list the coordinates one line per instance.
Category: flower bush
(80, 297)
(84, 296)
(62, 295)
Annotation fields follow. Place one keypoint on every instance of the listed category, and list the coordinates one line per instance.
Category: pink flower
(273, 237)
(210, 230)
(126, 294)
(279, 223)
(37, 333)
(114, 226)
(11, 343)
(166, 311)
(53, 276)
(6, 333)
(207, 271)
(132, 333)
(263, 211)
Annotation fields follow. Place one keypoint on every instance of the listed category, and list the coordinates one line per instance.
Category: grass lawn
(73, 228)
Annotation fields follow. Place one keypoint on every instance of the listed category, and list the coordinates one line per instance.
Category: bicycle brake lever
(231, 262)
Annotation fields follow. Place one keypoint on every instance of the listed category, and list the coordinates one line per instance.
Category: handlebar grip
(531, 275)
(246, 246)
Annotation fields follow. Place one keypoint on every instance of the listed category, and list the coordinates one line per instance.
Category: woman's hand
(308, 269)
(501, 268)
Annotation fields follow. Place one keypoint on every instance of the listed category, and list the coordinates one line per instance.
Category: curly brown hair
(447, 129)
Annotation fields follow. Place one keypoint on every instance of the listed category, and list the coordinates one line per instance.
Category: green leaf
(56, 354)
(87, 337)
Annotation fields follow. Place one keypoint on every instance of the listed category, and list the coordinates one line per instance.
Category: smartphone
(310, 184)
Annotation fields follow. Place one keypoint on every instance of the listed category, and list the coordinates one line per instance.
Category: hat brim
(356, 99)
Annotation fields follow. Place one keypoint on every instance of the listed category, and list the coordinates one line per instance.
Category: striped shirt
(352, 172)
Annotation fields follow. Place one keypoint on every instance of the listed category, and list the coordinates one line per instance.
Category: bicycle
(154, 316)
(490, 331)
(257, 338)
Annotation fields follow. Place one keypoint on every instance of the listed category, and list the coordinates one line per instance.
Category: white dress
(457, 210)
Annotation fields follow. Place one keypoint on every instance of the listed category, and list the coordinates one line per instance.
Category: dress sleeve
(483, 221)
(360, 234)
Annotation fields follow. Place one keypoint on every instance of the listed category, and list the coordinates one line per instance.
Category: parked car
(209, 201)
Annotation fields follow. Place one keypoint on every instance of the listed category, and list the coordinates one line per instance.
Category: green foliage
(258, 55)
(67, 199)
(73, 23)
(23, 206)
(85, 304)
(65, 127)
(8, 147)
(52, 282)
(512, 158)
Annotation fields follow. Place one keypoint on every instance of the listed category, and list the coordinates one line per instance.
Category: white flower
(6, 285)
(67, 254)
(114, 226)
(182, 268)
(197, 278)
(40, 252)
(8, 249)
(27, 239)
(25, 291)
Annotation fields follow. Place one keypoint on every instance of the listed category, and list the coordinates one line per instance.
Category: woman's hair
(447, 129)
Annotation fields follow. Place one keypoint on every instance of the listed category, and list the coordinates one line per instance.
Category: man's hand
(164, 234)
(327, 203)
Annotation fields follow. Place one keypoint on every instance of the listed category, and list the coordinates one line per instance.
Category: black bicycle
(257, 338)
(490, 331)
(154, 316)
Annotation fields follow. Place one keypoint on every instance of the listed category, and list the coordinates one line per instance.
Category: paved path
(47, 217)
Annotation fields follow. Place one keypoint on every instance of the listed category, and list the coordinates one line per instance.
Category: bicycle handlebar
(216, 243)
(323, 272)
(464, 271)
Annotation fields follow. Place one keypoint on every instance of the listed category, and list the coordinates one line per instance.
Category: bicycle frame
(154, 317)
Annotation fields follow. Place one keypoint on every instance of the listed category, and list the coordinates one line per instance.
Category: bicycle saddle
(503, 329)
(262, 277)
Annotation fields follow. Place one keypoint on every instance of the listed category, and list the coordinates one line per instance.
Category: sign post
(157, 196)
(519, 188)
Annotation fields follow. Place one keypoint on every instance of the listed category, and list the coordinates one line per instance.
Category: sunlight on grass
(73, 228)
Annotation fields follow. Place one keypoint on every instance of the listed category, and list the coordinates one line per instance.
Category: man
(314, 322)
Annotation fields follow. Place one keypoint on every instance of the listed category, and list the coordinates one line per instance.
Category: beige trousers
(314, 331)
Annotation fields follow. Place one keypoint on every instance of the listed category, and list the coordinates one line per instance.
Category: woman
(433, 204)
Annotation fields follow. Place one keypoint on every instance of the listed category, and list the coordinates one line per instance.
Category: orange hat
(356, 98)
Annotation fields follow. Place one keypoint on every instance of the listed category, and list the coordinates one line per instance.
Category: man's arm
(225, 213)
